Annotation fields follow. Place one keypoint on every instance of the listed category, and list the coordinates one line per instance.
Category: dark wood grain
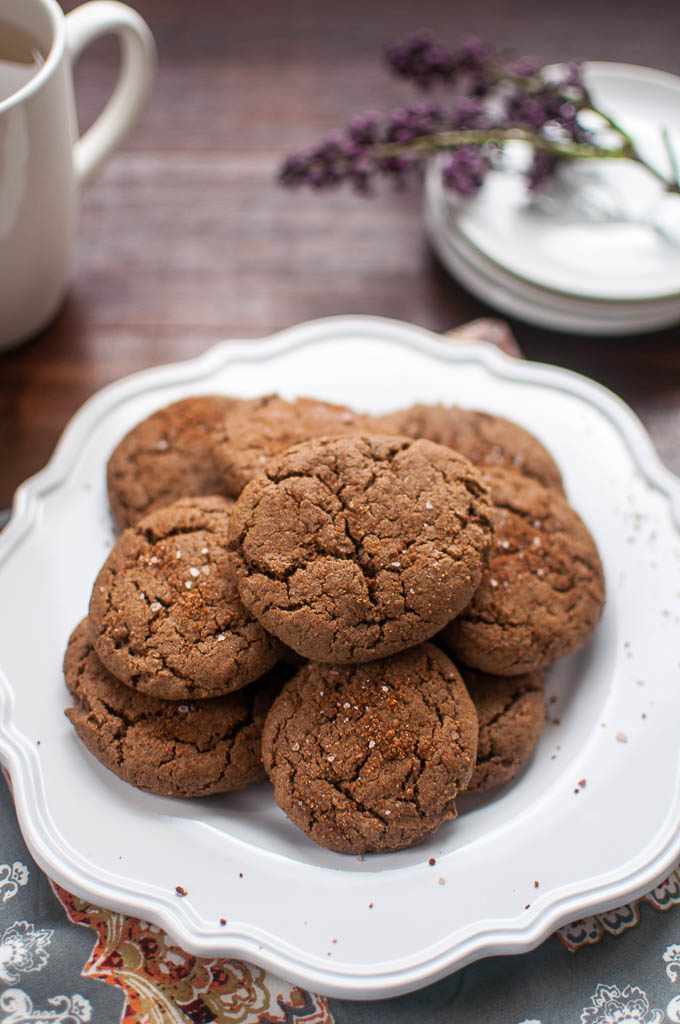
(185, 238)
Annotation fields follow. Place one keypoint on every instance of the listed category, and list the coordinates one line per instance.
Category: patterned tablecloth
(64, 961)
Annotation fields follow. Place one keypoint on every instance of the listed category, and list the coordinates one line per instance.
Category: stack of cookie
(367, 553)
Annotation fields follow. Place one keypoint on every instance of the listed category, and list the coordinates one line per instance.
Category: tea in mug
(20, 59)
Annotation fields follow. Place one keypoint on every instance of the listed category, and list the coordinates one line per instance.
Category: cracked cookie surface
(542, 592)
(193, 749)
(484, 439)
(371, 757)
(355, 548)
(511, 715)
(263, 427)
(167, 456)
(165, 615)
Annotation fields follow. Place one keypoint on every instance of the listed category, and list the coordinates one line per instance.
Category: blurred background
(186, 238)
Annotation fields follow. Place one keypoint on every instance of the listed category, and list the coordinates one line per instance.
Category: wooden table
(185, 238)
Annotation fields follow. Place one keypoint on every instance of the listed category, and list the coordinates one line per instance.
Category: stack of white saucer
(598, 252)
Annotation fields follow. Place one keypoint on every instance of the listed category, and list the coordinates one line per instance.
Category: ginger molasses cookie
(484, 439)
(511, 715)
(165, 615)
(192, 749)
(168, 455)
(371, 757)
(354, 548)
(260, 428)
(542, 592)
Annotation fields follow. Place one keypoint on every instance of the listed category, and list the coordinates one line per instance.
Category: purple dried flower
(359, 155)
(319, 168)
(397, 167)
(294, 170)
(411, 122)
(496, 99)
(422, 60)
(361, 176)
(574, 75)
(542, 168)
(472, 55)
(464, 169)
(545, 112)
(363, 130)
(426, 62)
(535, 111)
(468, 113)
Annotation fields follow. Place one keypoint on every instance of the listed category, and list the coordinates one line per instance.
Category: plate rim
(21, 760)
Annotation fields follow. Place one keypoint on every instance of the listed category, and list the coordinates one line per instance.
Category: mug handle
(138, 60)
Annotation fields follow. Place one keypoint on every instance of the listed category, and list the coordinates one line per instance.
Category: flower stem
(630, 151)
(480, 136)
(672, 157)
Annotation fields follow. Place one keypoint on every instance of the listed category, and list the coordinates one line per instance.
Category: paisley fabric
(65, 961)
(164, 985)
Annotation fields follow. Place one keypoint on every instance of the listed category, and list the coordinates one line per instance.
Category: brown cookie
(165, 615)
(511, 715)
(193, 749)
(354, 548)
(371, 757)
(263, 427)
(484, 439)
(542, 592)
(166, 456)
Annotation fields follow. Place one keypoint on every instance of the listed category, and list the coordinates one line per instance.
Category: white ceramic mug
(43, 163)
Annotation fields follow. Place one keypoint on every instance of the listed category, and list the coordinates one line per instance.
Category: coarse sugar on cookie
(169, 455)
(165, 615)
(484, 439)
(511, 715)
(371, 757)
(355, 548)
(189, 750)
(263, 427)
(542, 592)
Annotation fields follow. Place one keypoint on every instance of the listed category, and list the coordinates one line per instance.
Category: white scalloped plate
(398, 922)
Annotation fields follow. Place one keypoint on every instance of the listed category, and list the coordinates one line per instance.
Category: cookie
(371, 757)
(193, 749)
(511, 715)
(483, 439)
(165, 457)
(165, 615)
(261, 428)
(355, 548)
(543, 590)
